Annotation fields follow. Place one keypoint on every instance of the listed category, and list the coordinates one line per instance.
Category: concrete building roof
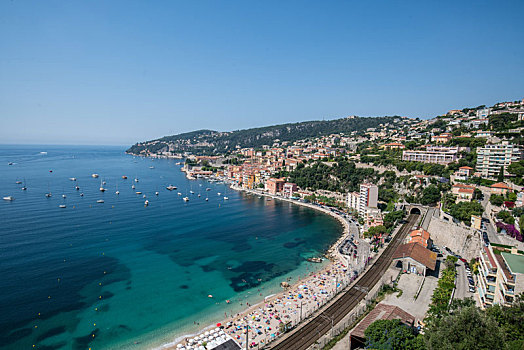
(515, 262)
(418, 253)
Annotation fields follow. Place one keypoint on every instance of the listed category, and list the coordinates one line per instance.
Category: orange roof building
(421, 237)
(500, 188)
(415, 258)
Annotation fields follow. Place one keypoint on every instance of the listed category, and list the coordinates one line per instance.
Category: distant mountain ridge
(215, 142)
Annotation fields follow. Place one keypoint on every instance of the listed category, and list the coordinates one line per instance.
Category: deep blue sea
(121, 275)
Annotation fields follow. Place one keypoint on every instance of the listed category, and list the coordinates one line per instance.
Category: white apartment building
(368, 198)
(501, 276)
(491, 158)
(438, 155)
(354, 200)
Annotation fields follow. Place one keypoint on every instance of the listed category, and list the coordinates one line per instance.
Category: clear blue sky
(117, 72)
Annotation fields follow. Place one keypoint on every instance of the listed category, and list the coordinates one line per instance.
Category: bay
(119, 274)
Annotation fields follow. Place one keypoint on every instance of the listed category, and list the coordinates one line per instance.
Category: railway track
(303, 337)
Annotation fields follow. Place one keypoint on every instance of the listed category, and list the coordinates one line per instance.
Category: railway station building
(414, 258)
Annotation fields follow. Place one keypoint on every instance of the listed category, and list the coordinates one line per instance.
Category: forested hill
(214, 142)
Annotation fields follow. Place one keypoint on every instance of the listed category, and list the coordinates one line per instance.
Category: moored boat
(8, 198)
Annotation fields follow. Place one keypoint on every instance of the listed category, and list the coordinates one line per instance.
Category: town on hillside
(462, 173)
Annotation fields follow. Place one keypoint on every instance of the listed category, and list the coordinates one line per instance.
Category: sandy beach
(267, 319)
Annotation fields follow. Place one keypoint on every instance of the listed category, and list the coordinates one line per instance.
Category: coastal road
(308, 333)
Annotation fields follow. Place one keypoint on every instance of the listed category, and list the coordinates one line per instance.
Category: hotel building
(438, 155)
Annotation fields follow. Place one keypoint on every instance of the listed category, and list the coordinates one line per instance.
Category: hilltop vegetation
(214, 142)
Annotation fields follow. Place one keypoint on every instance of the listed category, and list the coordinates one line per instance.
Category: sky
(120, 72)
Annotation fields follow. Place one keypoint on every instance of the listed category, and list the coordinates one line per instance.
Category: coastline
(335, 262)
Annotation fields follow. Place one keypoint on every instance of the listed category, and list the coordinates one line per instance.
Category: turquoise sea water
(121, 275)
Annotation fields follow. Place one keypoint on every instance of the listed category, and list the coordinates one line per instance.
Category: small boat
(144, 196)
(43, 153)
(10, 163)
(8, 198)
(219, 193)
(186, 199)
(199, 195)
(48, 195)
(102, 189)
(18, 182)
(124, 177)
(62, 206)
(138, 192)
(314, 260)
(103, 182)
(171, 187)
(100, 201)
(146, 203)
(117, 192)
(133, 187)
(209, 296)
(151, 167)
(207, 199)
(208, 189)
(94, 175)
(77, 188)
(156, 193)
(136, 179)
(81, 194)
(191, 192)
(63, 196)
(226, 198)
(24, 188)
(72, 178)
(179, 193)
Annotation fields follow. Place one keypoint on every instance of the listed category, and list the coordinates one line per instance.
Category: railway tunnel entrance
(415, 210)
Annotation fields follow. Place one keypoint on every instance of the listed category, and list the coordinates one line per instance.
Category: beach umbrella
(206, 333)
(217, 329)
(219, 324)
(179, 346)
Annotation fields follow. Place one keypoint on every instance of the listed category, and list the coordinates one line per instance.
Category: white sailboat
(102, 189)
(8, 198)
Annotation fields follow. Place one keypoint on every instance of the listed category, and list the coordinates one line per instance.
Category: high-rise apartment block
(491, 158)
(368, 198)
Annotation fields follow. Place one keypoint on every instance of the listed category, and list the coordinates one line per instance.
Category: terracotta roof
(466, 167)
(382, 312)
(418, 253)
(500, 185)
(466, 190)
(461, 186)
(419, 240)
(420, 232)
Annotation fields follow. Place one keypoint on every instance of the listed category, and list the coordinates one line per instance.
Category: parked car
(463, 260)
(471, 289)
